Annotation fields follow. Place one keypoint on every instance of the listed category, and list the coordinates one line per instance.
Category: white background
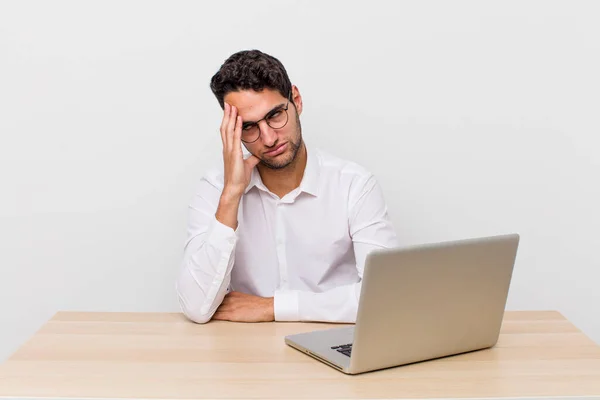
(478, 118)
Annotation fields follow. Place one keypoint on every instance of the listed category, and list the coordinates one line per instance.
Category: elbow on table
(193, 310)
(194, 314)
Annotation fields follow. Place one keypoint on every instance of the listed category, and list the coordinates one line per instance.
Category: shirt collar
(310, 179)
(255, 181)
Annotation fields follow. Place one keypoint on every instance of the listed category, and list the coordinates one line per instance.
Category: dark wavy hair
(250, 70)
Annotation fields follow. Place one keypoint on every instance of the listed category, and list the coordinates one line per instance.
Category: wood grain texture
(163, 355)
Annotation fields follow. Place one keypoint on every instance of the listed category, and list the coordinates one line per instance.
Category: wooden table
(160, 355)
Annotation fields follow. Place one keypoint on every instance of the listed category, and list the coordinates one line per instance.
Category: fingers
(226, 110)
(228, 126)
(224, 310)
(226, 303)
(237, 134)
(219, 315)
(231, 127)
(251, 161)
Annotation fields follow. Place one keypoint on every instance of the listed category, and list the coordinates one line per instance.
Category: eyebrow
(274, 109)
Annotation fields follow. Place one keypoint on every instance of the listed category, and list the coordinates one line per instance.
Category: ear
(297, 99)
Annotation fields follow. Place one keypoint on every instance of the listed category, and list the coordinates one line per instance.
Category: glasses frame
(265, 119)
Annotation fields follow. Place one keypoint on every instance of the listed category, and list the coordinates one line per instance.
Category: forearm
(227, 211)
(206, 272)
(209, 254)
(339, 304)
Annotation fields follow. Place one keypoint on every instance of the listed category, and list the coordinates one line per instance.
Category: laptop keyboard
(345, 349)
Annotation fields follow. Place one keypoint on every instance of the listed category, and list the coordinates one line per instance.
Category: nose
(267, 134)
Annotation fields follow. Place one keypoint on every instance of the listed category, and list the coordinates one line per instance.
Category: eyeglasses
(276, 119)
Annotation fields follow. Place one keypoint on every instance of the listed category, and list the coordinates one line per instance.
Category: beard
(289, 157)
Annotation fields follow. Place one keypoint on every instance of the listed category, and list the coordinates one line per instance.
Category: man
(283, 234)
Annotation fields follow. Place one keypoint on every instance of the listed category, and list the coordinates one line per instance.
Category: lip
(280, 149)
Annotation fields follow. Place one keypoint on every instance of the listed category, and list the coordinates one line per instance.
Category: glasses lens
(278, 120)
(251, 134)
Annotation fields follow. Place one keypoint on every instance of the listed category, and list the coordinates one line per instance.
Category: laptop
(420, 303)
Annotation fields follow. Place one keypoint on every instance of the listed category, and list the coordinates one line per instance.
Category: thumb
(251, 161)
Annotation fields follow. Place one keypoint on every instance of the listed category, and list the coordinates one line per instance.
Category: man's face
(275, 147)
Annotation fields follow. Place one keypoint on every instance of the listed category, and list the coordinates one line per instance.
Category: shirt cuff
(221, 236)
(286, 305)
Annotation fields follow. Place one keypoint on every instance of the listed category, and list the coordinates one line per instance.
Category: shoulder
(341, 177)
(343, 172)
(330, 163)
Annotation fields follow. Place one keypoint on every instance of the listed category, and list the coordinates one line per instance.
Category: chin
(279, 162)
(276, 164)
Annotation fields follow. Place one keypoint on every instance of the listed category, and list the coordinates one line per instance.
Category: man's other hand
(242, 307)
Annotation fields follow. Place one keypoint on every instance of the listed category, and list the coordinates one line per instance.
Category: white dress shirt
(307, 249)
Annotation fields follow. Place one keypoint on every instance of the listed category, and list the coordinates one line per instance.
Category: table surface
(163, 355)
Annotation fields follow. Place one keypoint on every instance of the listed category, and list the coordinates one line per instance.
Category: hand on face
(273, 133)
(237, 170)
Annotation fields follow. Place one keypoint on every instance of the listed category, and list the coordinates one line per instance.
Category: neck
(282, 181)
